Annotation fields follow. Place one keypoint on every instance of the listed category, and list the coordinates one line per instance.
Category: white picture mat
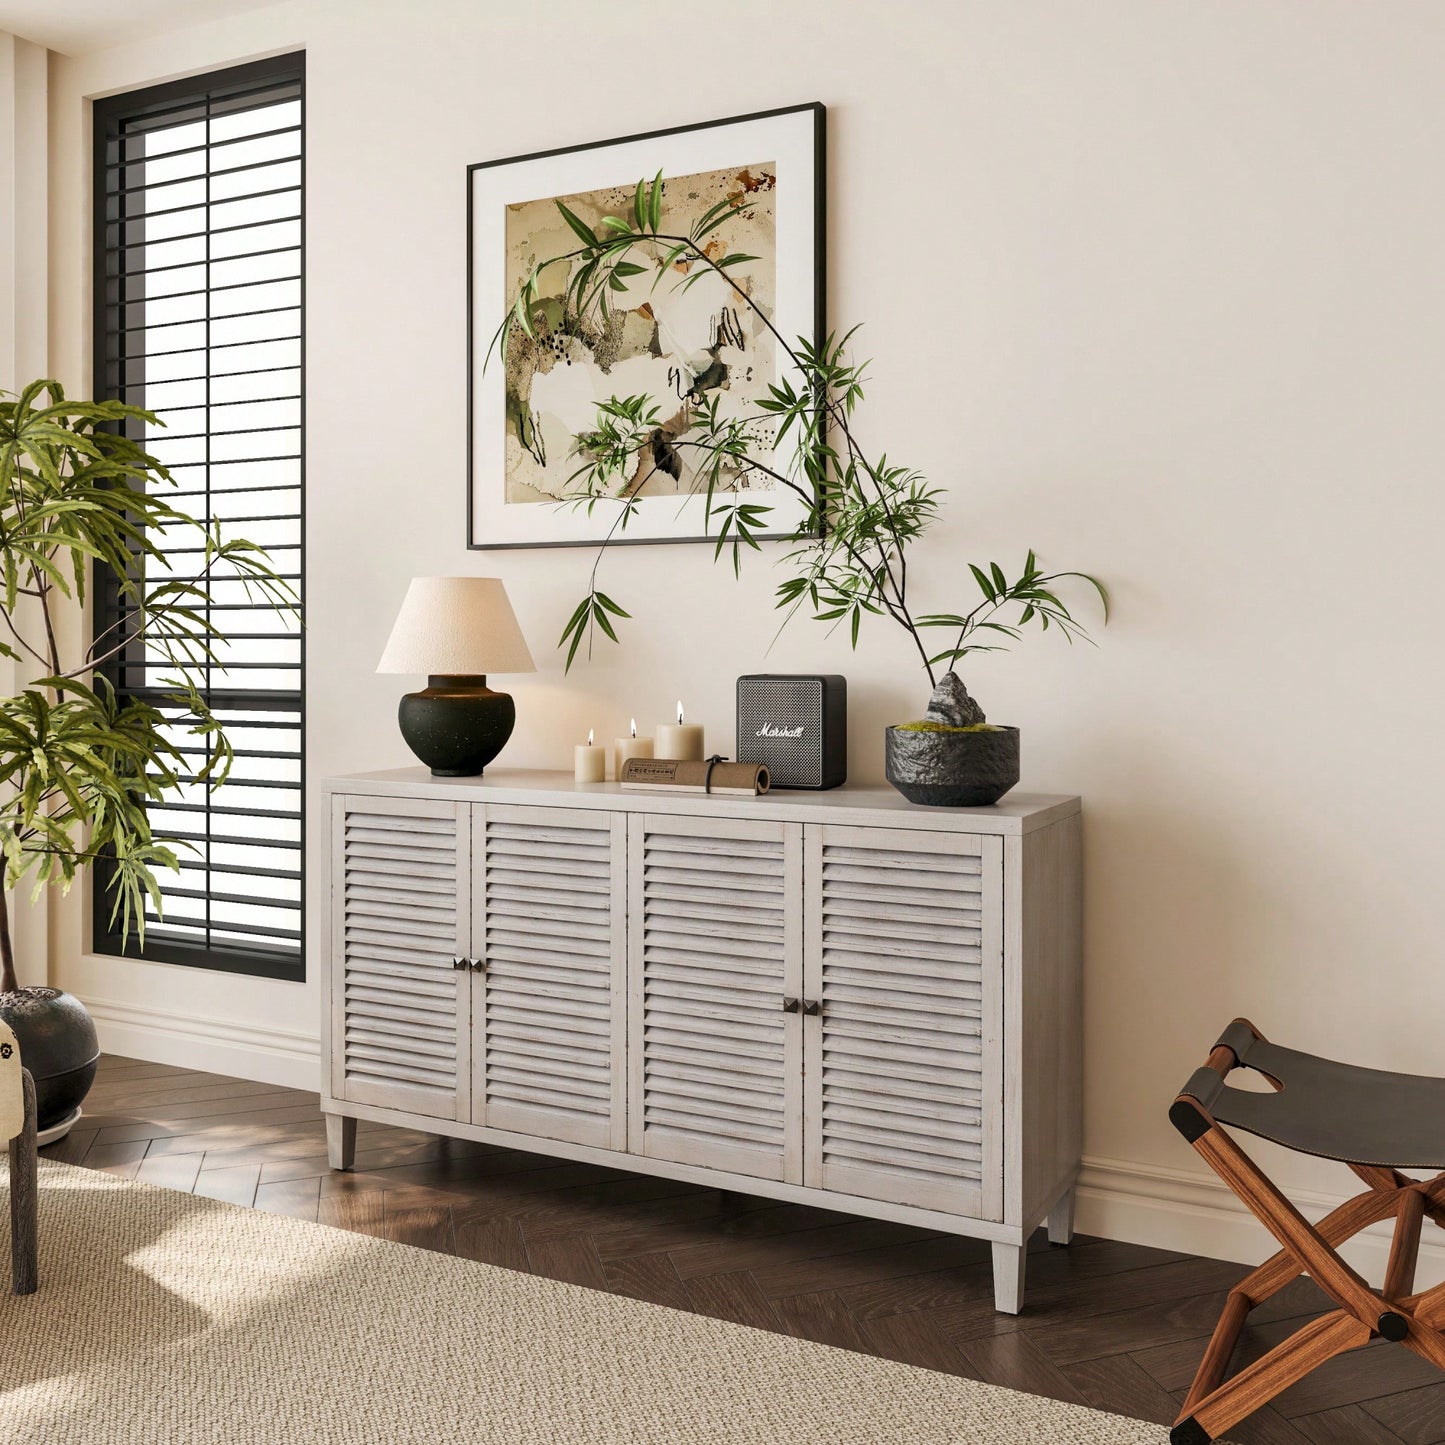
(789, 140)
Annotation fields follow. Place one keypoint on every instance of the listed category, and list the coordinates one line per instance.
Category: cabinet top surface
(875, 805)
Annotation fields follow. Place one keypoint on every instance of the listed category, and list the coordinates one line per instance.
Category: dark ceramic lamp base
(456, 725)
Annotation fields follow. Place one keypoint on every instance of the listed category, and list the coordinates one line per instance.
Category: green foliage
(78, 766)
(927, 725)
(849, 560)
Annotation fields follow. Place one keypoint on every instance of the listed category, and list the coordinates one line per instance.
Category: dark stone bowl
(953, 770)
(58, 1045)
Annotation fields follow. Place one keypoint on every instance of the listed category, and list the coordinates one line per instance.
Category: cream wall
(24, 338)
(1154, 288)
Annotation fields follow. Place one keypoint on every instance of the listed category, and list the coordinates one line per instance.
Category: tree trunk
(8, 982)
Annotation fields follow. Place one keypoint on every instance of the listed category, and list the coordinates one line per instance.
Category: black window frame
(109, 116)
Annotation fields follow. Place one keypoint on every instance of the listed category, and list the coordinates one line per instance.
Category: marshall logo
(772, 730)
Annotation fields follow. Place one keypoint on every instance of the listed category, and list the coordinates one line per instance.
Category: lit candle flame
(589, 737)
(679, 714)
(634, 727)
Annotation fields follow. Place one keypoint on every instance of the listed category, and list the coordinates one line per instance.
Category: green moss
(927, 725)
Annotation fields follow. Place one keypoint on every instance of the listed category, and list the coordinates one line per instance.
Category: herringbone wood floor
(1112, 1325)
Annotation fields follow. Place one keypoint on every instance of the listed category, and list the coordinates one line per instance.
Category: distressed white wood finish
(400, 918)
(715, 910)
(904, 960)
(1008, 1277)
(549, 1002)
(1042, 1033)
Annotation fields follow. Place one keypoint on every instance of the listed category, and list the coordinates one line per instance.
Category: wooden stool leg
(1305, 1350)
(1405, 1247)
(24, 1211)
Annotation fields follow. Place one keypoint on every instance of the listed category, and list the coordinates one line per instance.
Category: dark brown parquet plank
(300, 1198)
(1117, 1326)
(569, 1257)
(800, 1239)
(1017, 1363)
(916, 1339)
(121, 1159)
(171, 1171)
(1120, 1384)
(649, 1277)
(1352, 1425)
(427, 1226)
(704, 1217)
(1054, 1276)
(360, 1213)
(823, 1318)
(1416, 1416)
(733, 1296)
(490, 1239)
(71, 1149)
(236, 1185)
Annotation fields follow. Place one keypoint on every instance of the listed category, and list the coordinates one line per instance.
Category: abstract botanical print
(673, 335)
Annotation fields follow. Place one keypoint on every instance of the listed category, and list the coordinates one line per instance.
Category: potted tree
(79, 765)
(851, 552)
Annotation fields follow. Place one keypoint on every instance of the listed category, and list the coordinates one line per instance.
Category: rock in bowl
(950, 767)
(952, 757)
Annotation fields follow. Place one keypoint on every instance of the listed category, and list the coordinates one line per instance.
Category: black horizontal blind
(198, 317)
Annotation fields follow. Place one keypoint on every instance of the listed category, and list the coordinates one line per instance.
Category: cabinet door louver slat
(551, 1001)
(715, 936)
(399, 919)
(904, 957)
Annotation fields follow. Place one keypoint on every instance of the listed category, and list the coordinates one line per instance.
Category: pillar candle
(681, 740)
(631, 747)
(590, 765)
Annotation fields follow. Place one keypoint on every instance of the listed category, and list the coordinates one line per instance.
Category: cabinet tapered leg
(1008, 1278)
(1061, 1220)
(340, 1141)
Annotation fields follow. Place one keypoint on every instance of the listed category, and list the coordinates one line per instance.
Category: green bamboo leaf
(654, 209)
(584, 232)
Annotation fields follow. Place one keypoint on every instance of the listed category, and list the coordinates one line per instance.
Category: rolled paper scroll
(669, 775)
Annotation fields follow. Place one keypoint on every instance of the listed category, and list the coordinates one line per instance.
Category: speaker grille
(780, 724)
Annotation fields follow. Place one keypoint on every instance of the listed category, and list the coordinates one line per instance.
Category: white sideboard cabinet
(835, 998)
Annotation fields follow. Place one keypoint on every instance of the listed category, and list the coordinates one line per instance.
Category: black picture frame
(818, 308)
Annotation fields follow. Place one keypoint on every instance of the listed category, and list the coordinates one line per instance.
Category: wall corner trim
(1194, 1213)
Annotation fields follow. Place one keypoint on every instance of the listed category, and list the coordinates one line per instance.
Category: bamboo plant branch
(871, 509)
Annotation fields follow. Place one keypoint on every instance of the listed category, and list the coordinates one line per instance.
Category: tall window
(198, 318)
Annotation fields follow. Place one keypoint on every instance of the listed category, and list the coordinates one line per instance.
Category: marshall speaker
(796, 726)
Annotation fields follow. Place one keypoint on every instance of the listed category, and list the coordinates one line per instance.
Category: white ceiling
(74, 27)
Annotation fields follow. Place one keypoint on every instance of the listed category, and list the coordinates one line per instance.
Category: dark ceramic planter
(953, 769)
(58, 1045)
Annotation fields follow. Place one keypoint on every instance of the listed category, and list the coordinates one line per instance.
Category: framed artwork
(683, 345)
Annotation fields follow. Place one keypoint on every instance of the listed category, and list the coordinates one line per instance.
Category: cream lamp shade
(456, 627)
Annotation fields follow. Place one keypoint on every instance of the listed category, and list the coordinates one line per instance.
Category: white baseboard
(1194, 1213)
(290, 1057)
(1185, 1210)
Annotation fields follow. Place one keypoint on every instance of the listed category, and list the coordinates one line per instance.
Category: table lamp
(456, 630)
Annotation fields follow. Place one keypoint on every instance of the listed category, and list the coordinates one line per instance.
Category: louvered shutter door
(904, 1080)
(715, 946)
(400, 918)
(549, 885)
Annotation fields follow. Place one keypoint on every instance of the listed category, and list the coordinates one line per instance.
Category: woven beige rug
(163, 1319)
